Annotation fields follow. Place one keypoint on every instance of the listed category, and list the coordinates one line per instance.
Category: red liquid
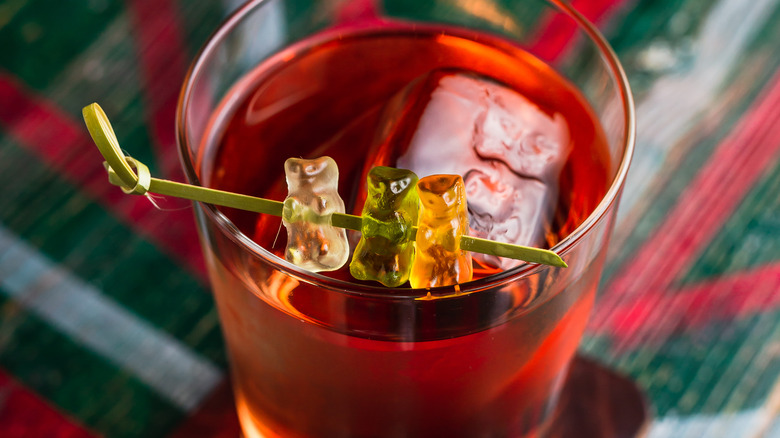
(308, 362)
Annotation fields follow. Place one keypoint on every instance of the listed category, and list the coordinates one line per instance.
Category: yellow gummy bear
(443, 219)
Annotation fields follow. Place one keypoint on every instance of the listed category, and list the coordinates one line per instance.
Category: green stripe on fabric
(750, 238)
(649, 19)
(711, 371)
(670, 23)
(77, 381)
(81, 236)
(200, 22)
(59, 29)
(135, 137)
(106, 71)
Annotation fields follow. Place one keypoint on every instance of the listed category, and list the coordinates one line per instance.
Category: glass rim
(564, 246)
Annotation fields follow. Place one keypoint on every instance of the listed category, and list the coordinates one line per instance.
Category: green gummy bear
(386, 249)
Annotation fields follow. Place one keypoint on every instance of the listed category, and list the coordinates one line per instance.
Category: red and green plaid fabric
(107, 326)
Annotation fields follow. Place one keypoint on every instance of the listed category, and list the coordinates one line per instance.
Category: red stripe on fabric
(215, 418)
(25, 415)
(65, 145)
(557, 31)
(658, 314)
(701, 210)
(163, 62)
(705, 205)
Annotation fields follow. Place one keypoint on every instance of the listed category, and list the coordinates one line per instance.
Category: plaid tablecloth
(107, 326)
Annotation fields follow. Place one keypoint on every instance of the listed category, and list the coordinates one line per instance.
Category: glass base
(600, 403)
(596, 402)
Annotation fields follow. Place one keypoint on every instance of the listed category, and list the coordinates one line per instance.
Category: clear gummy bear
(312, 242)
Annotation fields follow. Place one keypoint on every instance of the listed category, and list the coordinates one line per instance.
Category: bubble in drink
(312, 243)
(443, 220)
(509, 151)
(386, 248)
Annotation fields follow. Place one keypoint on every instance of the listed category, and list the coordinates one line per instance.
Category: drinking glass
(312, 355)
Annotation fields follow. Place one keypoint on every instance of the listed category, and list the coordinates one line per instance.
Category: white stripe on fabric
(84, 313)
(748, 424)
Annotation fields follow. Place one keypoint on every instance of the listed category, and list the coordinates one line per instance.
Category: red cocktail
(325, 355)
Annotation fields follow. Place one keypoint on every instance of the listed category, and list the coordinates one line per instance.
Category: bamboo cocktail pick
(139, 181)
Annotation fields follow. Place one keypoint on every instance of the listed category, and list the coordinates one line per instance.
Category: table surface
(107, 326)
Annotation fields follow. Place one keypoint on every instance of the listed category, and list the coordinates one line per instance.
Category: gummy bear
(312, 242)
(386, 248)
(443, 220)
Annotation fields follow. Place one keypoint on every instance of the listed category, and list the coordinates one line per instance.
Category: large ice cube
(508, 150)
